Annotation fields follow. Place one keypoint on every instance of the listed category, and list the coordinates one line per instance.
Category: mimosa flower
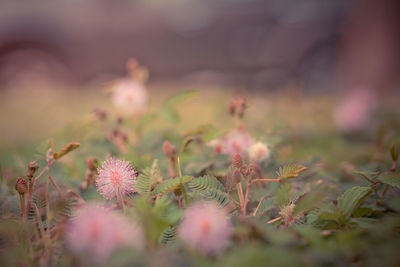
(116, 176)
(206, 228)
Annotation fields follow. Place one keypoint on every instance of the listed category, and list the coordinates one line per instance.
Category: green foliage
(66, 149)
(282, 196)
(290, 171)
(169, 235)
(390, 178)
(308, 202)
(214, 194)
(206, 182)
(352, 199)
(171, 184)
(148, 178)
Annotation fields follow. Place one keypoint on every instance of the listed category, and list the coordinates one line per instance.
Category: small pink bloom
(96, 232)
(130, 96)
(354, 112)
(259, 152)
(115, 176)
(206, 227)
(234, 142)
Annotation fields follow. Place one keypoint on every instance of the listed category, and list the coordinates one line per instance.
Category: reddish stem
(266, 180)
(179, 202)
(55, 185)
(22, 203)
(246, 198)
(385, 190)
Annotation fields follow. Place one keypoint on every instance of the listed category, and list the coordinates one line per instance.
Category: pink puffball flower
(354, 112)
(130, 96)
(234, 142)
(259, 152)
(206, 228)
(97, 232)
(115, 177)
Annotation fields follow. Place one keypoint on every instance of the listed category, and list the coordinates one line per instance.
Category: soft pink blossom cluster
(238, 141)
(97, 232)
(354, 112)
(130, 96)
(116, 176)
(206, 228)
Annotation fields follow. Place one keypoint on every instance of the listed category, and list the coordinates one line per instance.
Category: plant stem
(385, 190)
(266, 180)
(240, 194)
(180, 202)
(258, 206)
(55, 185)
(274, 220)
(121, 201)
(22, 203)
(31, 184)
(185, 197)
(246, 198)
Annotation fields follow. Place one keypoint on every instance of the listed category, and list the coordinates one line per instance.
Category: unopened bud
(120, 120)
(21, 186)
(237, 106)
(394, 152)
(99, 113)
(237, 161)
(257, 170)
(32, 168)
(92, 163)
(169, 150)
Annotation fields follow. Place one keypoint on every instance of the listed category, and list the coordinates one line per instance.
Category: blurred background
(55, 56)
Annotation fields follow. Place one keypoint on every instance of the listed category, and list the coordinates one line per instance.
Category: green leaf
(391, 178)
(350, 200)
(206, 182)
(214, 194)
(290, 171)
(169, 235)
(148, 178)
(307, 202)
(66, 149)
(282, 197)
(171, 184)
(367, 175)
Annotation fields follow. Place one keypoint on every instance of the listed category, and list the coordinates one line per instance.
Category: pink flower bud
(169, 150)
(237, 161)
(21, 186)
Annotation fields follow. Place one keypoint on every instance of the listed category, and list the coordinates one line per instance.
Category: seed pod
(21, 186)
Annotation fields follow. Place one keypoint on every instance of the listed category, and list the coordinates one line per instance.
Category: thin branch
(266, 180)
(56, 186)
(274, 220)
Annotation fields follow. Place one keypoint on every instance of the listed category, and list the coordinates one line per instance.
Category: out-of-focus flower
(21, 186)
(96, 232)
(234, 142)
(130, 96)
(287, 215)
(354, 112)
(206, 228)
(115, 176)
(259, 152)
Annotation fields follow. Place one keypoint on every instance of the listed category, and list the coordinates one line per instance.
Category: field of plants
(128, 176)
